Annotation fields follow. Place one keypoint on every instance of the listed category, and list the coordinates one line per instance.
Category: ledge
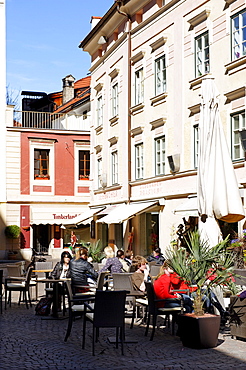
(98, 148)
(98, 87)
(199, 18)
(135, 58)
(114, 120)
(158, 43)
(235, 65)
(194, 109)
(235, 94)
(137, 108)
(137, 131)
(158, 122)
(195, 84)
(161, 98)
(98, 129)
(113, 140)
(114, 73)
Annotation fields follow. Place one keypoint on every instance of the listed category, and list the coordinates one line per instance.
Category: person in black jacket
(61, 269)
(156, 257)
(81, 269)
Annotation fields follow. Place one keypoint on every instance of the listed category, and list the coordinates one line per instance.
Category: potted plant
(95, 251)
(12, 232)
(205, 267)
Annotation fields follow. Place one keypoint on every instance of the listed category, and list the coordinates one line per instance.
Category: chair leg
(93, 341)
(97, 334)
(29, 297)
(25, 298)
(147, 326)
(122, 338)
(153, 328)
(83, 341)
(117, 336)
(69, 327)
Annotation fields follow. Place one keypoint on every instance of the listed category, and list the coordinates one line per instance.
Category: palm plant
(202, 265)
(95, 251)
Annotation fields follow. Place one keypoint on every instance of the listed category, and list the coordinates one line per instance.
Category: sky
(42, 39)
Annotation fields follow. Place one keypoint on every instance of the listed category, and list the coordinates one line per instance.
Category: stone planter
(199, 331)
(238, 317)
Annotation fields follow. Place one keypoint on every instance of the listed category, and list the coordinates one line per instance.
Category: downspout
(129, 25)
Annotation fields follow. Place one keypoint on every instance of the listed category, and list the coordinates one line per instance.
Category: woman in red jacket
(162, 288)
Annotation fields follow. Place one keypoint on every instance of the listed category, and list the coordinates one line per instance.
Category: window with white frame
(237, 124)
(196, 145)
(202, 54)
(99, 111)
(238, 35)
(99, 172)
(160, 75)
(139, 86)
(160, 155)
(114, 157)
(115, 100)
(84, 164)
(41, 164)
(139, 161)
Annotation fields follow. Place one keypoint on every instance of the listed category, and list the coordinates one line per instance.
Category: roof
(74, 102)
(82, 83)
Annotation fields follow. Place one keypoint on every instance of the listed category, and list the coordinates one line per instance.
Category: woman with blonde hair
(112, 263)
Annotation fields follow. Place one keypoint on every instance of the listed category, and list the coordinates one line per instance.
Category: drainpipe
(119, 3)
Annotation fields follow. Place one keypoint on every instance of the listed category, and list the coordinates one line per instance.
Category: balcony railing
(50, 121)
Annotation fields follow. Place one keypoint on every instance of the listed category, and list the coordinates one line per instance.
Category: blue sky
(43, 38)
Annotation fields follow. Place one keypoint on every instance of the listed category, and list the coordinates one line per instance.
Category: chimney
(67, 88)
(94, 21)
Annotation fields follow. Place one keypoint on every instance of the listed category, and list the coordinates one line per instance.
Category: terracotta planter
(199, 331)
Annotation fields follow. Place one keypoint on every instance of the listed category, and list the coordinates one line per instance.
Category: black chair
(21, 285)
(1, 290)
(75, 307)
(154, 311)
(108, 312)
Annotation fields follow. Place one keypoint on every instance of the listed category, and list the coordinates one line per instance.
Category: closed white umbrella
(218, 193)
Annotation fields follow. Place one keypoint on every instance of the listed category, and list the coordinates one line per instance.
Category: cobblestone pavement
(30, 342)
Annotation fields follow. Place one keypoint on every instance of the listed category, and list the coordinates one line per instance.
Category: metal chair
(21, 285)
(14, 271)
(111, 316)
(154, 311)
(123, 281)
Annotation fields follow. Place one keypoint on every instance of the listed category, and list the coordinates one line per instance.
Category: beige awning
(84, 217)
(123, 212)
(188, 208)
(52, 216)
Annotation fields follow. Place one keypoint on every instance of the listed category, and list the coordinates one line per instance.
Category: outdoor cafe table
(55, 283)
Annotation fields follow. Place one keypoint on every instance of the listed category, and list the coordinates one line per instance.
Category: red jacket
(162, 287)
(177, 283)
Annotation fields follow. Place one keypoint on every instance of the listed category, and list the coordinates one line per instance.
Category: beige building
(148, 59)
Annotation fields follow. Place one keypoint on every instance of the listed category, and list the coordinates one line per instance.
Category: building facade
(48, 169)
(148, 59)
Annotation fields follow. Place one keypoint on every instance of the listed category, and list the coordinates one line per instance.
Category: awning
(55, 215)
(123, 212)
(83, 217)
(188, 208)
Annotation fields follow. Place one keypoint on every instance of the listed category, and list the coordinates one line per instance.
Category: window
(160, 75)
(238, 35)
(139, 161)
(139, 86)
(115, 168)
(84, 164)
(41, 164)
(160, 156)
(115, 100)
(196, 145)
(237, 124)
(202, 54)
(99, 111)
(99, 172)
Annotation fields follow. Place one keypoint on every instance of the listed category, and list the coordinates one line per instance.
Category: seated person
(141, 273)
(121, 256)
(112, 263)
(156, 257)
(162, 288)
(81, 269)
(61, 269)
(128, 257)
